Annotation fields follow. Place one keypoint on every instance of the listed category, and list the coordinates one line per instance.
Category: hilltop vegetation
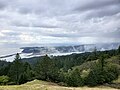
(90, 68)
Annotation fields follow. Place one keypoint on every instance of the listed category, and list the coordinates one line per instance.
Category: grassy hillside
(90, 64)
(42, 85)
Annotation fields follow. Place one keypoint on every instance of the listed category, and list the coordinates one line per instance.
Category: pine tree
(45, 69)
(16, 69)
(28, 73)
(74, 78)
(102, 62)
(95, 53)
(118, 50)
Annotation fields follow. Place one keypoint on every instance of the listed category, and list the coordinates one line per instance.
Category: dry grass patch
(42, 85)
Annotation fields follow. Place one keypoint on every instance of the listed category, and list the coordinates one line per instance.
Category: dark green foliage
(32, 61)
(28, 71)
(119, 59)
(27, 74)
(95, 53)
(45, 69)
(74, 79)
(4, 70)
(95, 77)
(112, 72)
(100, 75)
(4, 64)
(20, 72)
(4, 67)
(16, 69)
(90, 58)
(102, 62)
(118, 50)
(62, 75)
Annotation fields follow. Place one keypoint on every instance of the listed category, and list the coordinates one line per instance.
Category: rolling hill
(42, 85)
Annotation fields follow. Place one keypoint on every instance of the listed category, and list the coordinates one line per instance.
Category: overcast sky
(59, 22)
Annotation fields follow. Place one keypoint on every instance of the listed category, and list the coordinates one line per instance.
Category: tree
(95, 53)
(111, 72)
(45, 69)
(61, 76)
(92, 56)
(119, 59)
(4, 70)
(101, 62)
(27, 74)
(16, 69)
(74, 78)
(94, 77)
(118, 50)
(98, 76)
(28, 71)
(4, 67)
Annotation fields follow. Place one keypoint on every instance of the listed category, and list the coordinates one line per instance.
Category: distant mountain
(69, 49)
(28, 52)
(49, 50)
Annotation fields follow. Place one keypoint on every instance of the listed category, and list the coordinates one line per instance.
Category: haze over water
(8, 51)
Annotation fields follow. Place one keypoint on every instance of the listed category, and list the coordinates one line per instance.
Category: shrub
(98, 76)
(74, 78)
(4, 80)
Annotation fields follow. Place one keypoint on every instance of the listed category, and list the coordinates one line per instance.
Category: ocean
(8, 51)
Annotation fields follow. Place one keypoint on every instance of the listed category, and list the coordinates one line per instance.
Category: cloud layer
(56, 22)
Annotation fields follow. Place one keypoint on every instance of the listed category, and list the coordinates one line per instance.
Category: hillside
(42, 85)
(98, 68)
(89, 64)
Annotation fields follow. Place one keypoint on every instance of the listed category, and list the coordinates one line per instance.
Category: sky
(58, 22)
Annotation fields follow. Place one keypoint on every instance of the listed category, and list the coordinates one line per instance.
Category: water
(8, 51)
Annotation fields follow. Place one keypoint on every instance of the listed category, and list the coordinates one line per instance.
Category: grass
(42, 85)
(117, 81)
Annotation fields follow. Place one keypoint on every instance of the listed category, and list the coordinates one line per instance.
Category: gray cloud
(100, 4)
(33, 25)
(2, 4)
(29, 22)
(108, 11)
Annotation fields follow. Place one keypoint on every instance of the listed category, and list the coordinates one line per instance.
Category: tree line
(63, 69)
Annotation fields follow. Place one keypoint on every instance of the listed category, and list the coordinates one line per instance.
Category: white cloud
(1, 34)
(29, 22)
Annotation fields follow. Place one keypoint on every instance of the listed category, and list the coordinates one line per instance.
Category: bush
(74, 79)
(112, 72)
(98, 76)
(4, 80)
(94, 77)
(84, 74)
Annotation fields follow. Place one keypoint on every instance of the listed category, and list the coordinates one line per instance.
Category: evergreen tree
(45, 69)
(74, 78)
(16, 69)
(62, 75)
(94, 78)
(102, 62)
(101, 74)
(95, 53)
(118, 50)
(27, 74)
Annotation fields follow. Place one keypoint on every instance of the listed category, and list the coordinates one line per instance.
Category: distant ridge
(28, 52)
